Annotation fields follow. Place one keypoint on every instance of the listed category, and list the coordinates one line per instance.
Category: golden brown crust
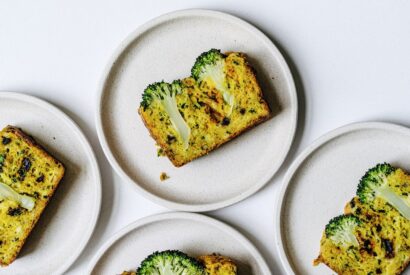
(320, 260)
(403, 267)
(32, 143)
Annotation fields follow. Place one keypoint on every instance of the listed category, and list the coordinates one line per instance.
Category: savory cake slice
(378, 240)
(377, 243)
(218, 265)
(383, 200)
(390, 242)
(28, 178)
(193, 116)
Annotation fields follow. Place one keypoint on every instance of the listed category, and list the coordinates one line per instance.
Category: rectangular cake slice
(188, 118)
(28, 178)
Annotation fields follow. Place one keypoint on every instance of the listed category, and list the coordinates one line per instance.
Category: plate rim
(59, 114)
(296, 164)
(196, 217)
(174, 205)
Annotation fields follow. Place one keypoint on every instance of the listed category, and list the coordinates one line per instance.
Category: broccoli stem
(170, 106)
(6, 192)
(352, 238)
(386, 193)
(230, 99)
(216, 73)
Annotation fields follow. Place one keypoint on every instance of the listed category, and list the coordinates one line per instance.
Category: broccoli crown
(209, 58)
(372, 180)
(165, 93)
(341, 230)
(210, 66)
(374, 184)
(170, 262)
(160, 90)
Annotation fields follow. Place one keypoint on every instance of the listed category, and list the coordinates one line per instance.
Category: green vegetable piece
(375, 184)
(341, 230)
(210, 65)
(165, 93)
(170, 262)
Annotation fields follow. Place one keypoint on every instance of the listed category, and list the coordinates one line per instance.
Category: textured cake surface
(218, 265)
(383, 236)
(29, 170)
(210, 120)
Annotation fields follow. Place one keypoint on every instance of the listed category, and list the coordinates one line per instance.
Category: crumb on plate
(163, 176)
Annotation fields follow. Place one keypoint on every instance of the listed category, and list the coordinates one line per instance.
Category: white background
(351, 60)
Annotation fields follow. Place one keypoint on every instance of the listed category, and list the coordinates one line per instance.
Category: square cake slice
(28, 178)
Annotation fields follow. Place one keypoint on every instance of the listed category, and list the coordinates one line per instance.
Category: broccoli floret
(165, 94)
(341, 230)
(374, 184)
(170, 262)
(210, 66)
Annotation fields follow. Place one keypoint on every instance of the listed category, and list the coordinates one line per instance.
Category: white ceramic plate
(193, 234)
(323, 179)
(166, 48)
(69, 220)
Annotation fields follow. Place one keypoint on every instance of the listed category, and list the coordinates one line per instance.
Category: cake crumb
(160, 152)
(163, 176)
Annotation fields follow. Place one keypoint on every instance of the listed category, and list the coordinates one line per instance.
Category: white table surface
(351, 60)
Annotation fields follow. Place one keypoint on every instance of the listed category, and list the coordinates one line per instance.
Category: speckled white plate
(69, 220)
(323, 179)
(165, 49)
(193, 234)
